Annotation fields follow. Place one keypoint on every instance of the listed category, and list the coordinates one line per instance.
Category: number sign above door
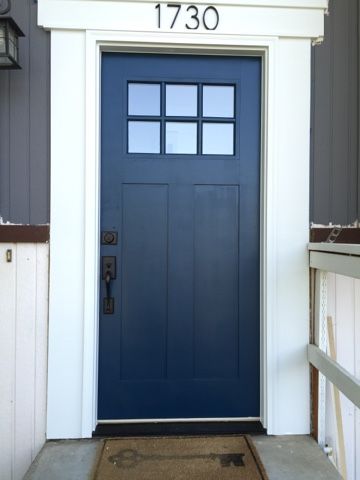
(195, 17)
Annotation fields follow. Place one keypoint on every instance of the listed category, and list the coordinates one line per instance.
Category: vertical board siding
(23, 356)
(344, 308)
(335, 126)
(24, 124)
(25, 112)
(7, 363)
(357, 373)
(39, 148)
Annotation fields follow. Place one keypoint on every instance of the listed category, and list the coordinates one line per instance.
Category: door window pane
(218, 101)
(218, 139)
(143, 137)
(144, 99)
(181, 137)
(181, 100)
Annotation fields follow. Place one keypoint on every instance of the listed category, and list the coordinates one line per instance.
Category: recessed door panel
(144, 281)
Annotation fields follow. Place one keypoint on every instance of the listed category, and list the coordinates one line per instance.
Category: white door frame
(75, 209)
(102, 45)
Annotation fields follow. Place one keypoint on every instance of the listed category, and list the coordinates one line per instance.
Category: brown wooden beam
(24, 233)
(314, 402)
(347, 235)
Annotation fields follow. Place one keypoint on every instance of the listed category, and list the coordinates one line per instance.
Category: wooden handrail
(335, 373)
(340, 258)
(340, 248)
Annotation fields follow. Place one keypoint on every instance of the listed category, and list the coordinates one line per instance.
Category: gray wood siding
(335, 111)
(25, 124)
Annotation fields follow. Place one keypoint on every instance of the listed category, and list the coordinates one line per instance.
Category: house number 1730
(209, 17)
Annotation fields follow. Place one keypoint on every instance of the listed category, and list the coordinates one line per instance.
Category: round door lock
(109, 238)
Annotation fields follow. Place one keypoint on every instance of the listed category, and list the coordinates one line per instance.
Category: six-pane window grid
(174, 118)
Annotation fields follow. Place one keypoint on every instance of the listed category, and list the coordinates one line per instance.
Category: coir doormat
(180, 458)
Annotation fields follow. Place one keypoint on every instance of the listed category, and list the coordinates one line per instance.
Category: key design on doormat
(130, 458)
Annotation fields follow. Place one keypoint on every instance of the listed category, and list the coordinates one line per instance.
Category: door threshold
(181, 420)
(118, 428)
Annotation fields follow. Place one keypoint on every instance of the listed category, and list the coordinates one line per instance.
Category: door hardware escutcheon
(108, 306)
(109, 265)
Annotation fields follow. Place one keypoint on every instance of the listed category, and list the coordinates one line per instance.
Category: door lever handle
(108, 284)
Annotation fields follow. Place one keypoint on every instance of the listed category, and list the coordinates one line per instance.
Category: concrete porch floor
(285, 458)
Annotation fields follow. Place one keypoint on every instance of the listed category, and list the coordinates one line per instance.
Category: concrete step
(285, 458)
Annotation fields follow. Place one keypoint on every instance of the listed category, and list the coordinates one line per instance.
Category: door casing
(241, 51)
(275, 248)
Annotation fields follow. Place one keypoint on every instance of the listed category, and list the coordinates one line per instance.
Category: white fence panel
(344, 309)
(23, 355)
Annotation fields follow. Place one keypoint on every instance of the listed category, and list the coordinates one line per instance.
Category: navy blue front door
(180, 174)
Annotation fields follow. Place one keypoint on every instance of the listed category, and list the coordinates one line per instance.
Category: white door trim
(75, 200)
(95, 43)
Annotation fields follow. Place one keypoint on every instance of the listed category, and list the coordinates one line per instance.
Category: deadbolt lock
(109, 238)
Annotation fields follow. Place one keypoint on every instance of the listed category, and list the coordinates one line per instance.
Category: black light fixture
(9, 41)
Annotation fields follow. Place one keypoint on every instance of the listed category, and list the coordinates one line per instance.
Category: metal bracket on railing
(320, 337)
(333, 235)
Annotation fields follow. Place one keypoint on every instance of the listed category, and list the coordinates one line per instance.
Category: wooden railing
(342, 259)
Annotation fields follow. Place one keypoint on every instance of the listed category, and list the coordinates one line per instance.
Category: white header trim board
(280, 18)
(80, 30)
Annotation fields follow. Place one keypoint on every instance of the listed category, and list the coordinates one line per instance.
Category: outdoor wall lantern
(9, 40)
